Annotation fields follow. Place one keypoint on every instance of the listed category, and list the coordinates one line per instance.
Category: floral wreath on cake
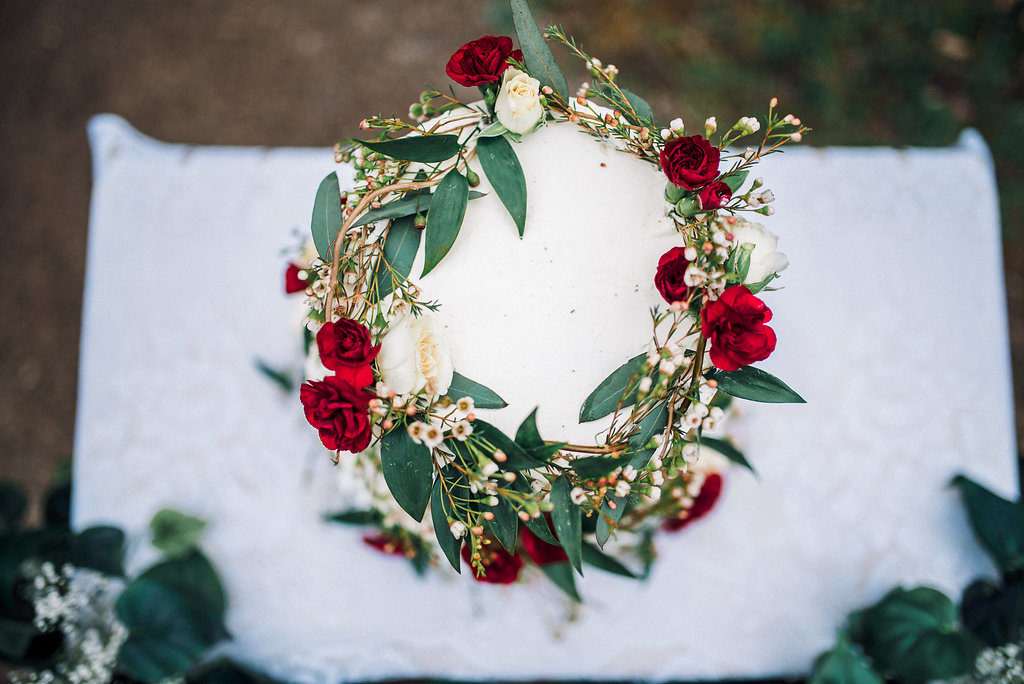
(383, 392)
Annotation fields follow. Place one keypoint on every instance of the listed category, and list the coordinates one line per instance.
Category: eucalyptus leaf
(416, 202)
(640, 459)
(440, 510)
(100, 548)
(495, 129)
(593, 467)
(417, 148)
(175, 533)
(842, 665)
(567, 519)
(561, 575)
(505, 525)
(368, 517)
(654, 423)
(483, 397)
(994, 613)
(735, 180)
(618, 389)
(196, 582)
(447, 210)
(536, 55)
(408, 470)
(327, 219)
(395, 265)
(728, 450)
(633, 107)
(602, 561)
(505, 174)
(528, 437)
(998, 524)
(604, 528)
(164, 639)
(16, 638)
(755, 384)
(517, 458)
(757, 287)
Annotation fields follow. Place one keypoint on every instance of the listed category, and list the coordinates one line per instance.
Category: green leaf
(505, 525)
(16, 638)
(593, 467)
(757, 287)
(618, 389)
(196, 584)
(279, 377)
(440, 511)
(567, 519)
(400, 247)
(505, 174)
(327, 219)
(528, 437)
(602, 561)
(993, 613)
(728, 450)
(417, 148)
(164, 637)
(517, 457)
(536, 56)
(640, 459)
(175, 533)
(416, 202)
(447, 209)
(495, 129)
(735, 180)
(355, 517)
(100, 548)
(913, 635)
(842, 665)
(482, 397)
(561, 575)
(997, 523)
(633, 107)
(755, 384)
(13, 503)
(652, 424)
(604, 528)
(408, 470)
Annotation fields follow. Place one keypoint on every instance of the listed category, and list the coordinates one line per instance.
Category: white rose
(518, 106)
(414, 355)
(765, 259)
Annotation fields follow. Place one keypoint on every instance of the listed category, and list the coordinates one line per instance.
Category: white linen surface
(892, 326)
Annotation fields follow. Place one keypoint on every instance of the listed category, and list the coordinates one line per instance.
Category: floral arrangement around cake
(385, 395)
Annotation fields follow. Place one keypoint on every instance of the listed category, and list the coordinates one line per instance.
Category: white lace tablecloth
(895, 332)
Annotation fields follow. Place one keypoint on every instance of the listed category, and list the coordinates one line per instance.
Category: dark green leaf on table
(755, 384)
(994, 613)
(355, 517)
(536, 55)
(997, 523)
(604, 528)
(843, 665)
(561, 575)
(164, 637)
(408, 469)
(13, 503)
(505, 174)
(567, 519)
(440, 511)
(417, 148)
(618, 389)
(482, 397)
(196, 583)
(728, 450)
(602, 561)
(100, 548)
(447, 210)
(633, 107)
(400, 247)
(174, 533)
(327, 219)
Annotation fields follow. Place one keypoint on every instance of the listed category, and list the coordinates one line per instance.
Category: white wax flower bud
(701, 409)
(458, 529)
(716, 413)
(693, 276)
(658, 478)
(766, 197)
(492, 501)
(691, 452)
(665, 133)
(655, 495)
(710, 125)
(489, 468)
(690, 253)
(518, 106)
(691, 419)
(629, 472)
(577, 495)
(645, 384)
(622, 488)
(676, 125)
(666, 367)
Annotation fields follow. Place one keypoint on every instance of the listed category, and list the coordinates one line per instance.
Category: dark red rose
(669, 276)
(385, 543)
(690, 162)
(702, 505)
(538, 550)
(339, 411)
(482, 60)
(735, 325)
(500, 566)
(714, 195)
(293, 279)
(346, 348)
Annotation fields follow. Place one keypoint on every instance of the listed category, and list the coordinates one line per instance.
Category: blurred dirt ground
(303, 73)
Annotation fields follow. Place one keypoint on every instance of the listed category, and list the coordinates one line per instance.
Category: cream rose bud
(765, 259)
(518, 105)
(414, 356)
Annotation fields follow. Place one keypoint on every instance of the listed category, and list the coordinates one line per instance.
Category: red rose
(500, 566)
(714, 195)
(735, 324)
(482, 61)
(294, 281)
(669, 276)
(345, 347)
(702, 505)
(690, 162)
(339, 411)
(538, 550)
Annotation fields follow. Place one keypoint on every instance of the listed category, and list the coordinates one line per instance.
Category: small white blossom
(577, 495)
(458, 529)
(654, 495)
(665, 133)
(465, 404)
(666, 367)
(690, 253)
(415, 430)
(584, 89)
(691, 452)
(693, 276)
(489, 468)
(432, 436)
(657, 478)
(622, 488)
(629, 472)
(645, 384)
(462, 430)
